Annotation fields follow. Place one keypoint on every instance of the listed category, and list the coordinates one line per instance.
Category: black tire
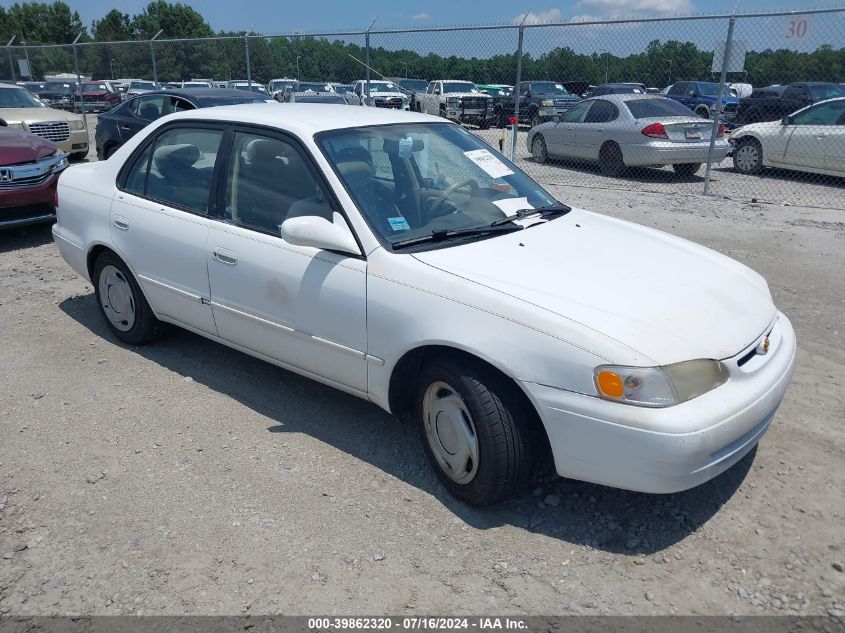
(506, 443)
(703, 112)
(686, 170)
(539, 150)
(78, 156)
(501, 120)
(611, 161)
(146, 326)
(535, 120)
(111, 149)
(748, 156)
(484, 125)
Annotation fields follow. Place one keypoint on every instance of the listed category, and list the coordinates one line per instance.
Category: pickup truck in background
(382, 94)
(775, 102)
(539, 101)
(701, 98)
(410, 88)
(459, 101)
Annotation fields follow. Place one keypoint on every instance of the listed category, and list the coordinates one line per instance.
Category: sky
(281, 16)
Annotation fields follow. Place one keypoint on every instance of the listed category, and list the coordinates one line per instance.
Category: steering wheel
(435, 206)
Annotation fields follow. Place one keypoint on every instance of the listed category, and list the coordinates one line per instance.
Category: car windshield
(95, 88)
(414, 84)
(459, 86)
(381, 86)
(548, 88)
(58, 85)
(313, 86)
(18, 98)
(656, 108)
(706, 89)
(830, 91)
(495, 92)
(142, 85)
(342, 89)
(417, 179)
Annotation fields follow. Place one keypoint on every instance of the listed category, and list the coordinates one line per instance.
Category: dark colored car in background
(59, 94)
(617, 89)
(776, 102)
(32, 86)
(539, 101)
(701, 97)
(411, 87)
(97, 96)
(29, 170)
(118, 125)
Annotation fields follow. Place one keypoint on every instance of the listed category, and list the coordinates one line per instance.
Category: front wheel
(703, 112)
(474, 431)
(121, 302)
(539, 150)
(686, 170)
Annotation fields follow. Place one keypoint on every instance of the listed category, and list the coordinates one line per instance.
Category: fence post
(153, 55)
(9, 52)
(79, 81)
(516, 92)
(717, 118)
(248, 69)
(367, 57)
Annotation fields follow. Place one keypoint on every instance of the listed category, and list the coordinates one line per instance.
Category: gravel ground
(187, 478)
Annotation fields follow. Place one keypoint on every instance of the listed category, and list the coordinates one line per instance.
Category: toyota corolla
(397, 257)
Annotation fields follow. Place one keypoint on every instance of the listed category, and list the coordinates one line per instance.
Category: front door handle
(225, 257)
(121, 223)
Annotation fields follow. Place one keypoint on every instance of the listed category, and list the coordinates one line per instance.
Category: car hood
(22, 147)
(376, 93)
(665, 297)
(16, 115)
(466, 94)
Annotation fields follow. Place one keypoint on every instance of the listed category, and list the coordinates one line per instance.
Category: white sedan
(810, 140)
(397, 257)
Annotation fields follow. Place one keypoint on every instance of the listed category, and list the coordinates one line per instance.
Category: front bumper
(77, 143)
(675, 448)
(672, 153)
(28, 205)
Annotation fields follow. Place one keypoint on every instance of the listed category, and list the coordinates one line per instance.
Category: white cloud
(552, 15)
(617, 8)
(421, 16)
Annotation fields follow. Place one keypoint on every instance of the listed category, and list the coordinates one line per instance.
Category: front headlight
(659, 386)
(62, 164)
(15, 126)
(547, 103)
(76, 124)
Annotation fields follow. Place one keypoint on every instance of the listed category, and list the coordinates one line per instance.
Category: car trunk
(681, 129)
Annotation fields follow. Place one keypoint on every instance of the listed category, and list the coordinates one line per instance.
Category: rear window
(656, 108)
(820, 93)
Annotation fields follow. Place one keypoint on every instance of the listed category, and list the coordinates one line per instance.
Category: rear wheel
(686, 170)
(475, 432)
(535, 120)
(748, 156)
(703, 111)
(611, 160)
(539, 150)
(501, 120)
(121, 302)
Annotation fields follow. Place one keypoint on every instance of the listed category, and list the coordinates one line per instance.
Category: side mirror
(437, 91)
(691, 93)
(786, 121)
(318, 232)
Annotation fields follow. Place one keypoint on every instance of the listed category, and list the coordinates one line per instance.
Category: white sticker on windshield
(406, 147)
(489, 163)
(399, 224)
(512, 205)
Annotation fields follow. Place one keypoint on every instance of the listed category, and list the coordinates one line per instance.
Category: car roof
(202, 93)
(632, 96)
(305, 120)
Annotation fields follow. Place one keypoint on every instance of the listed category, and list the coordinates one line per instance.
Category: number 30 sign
(796, 28)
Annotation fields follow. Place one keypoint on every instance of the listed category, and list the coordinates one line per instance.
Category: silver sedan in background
(626, 130)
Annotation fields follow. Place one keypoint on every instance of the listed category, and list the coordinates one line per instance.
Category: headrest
(355, 170)
(262, 150)
(354, 154)
(391, 145)
(175, 157)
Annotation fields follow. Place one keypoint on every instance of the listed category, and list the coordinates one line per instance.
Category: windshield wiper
(443, 234)
(558, 209)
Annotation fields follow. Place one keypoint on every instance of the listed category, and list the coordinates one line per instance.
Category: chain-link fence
(754, 104)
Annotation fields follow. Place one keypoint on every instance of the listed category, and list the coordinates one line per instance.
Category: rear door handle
(121, 223)
(225, 257)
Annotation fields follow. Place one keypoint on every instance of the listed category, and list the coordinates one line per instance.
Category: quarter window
(268, 181)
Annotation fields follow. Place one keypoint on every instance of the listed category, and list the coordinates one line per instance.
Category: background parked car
(247, 85)
(775, 102)
(279, 86)
(411, 87)
(305, 87)
(317, 97)
(29, 170)
(33, 86)
(120, 124)
(59, 94)
(98, 96)
(140, 87)
(20, 109)
(539, 101)
(810, 140)
(701, 97)
(625, 130)
(459, 101)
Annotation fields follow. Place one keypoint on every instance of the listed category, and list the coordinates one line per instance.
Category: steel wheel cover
(450, 432)
(747, 157)
(539, 148)
(117, 299)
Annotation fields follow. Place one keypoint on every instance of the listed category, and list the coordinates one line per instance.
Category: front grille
(474, 103)
(23, 183)
(94, 99)
(56, 131)
(389, 102)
